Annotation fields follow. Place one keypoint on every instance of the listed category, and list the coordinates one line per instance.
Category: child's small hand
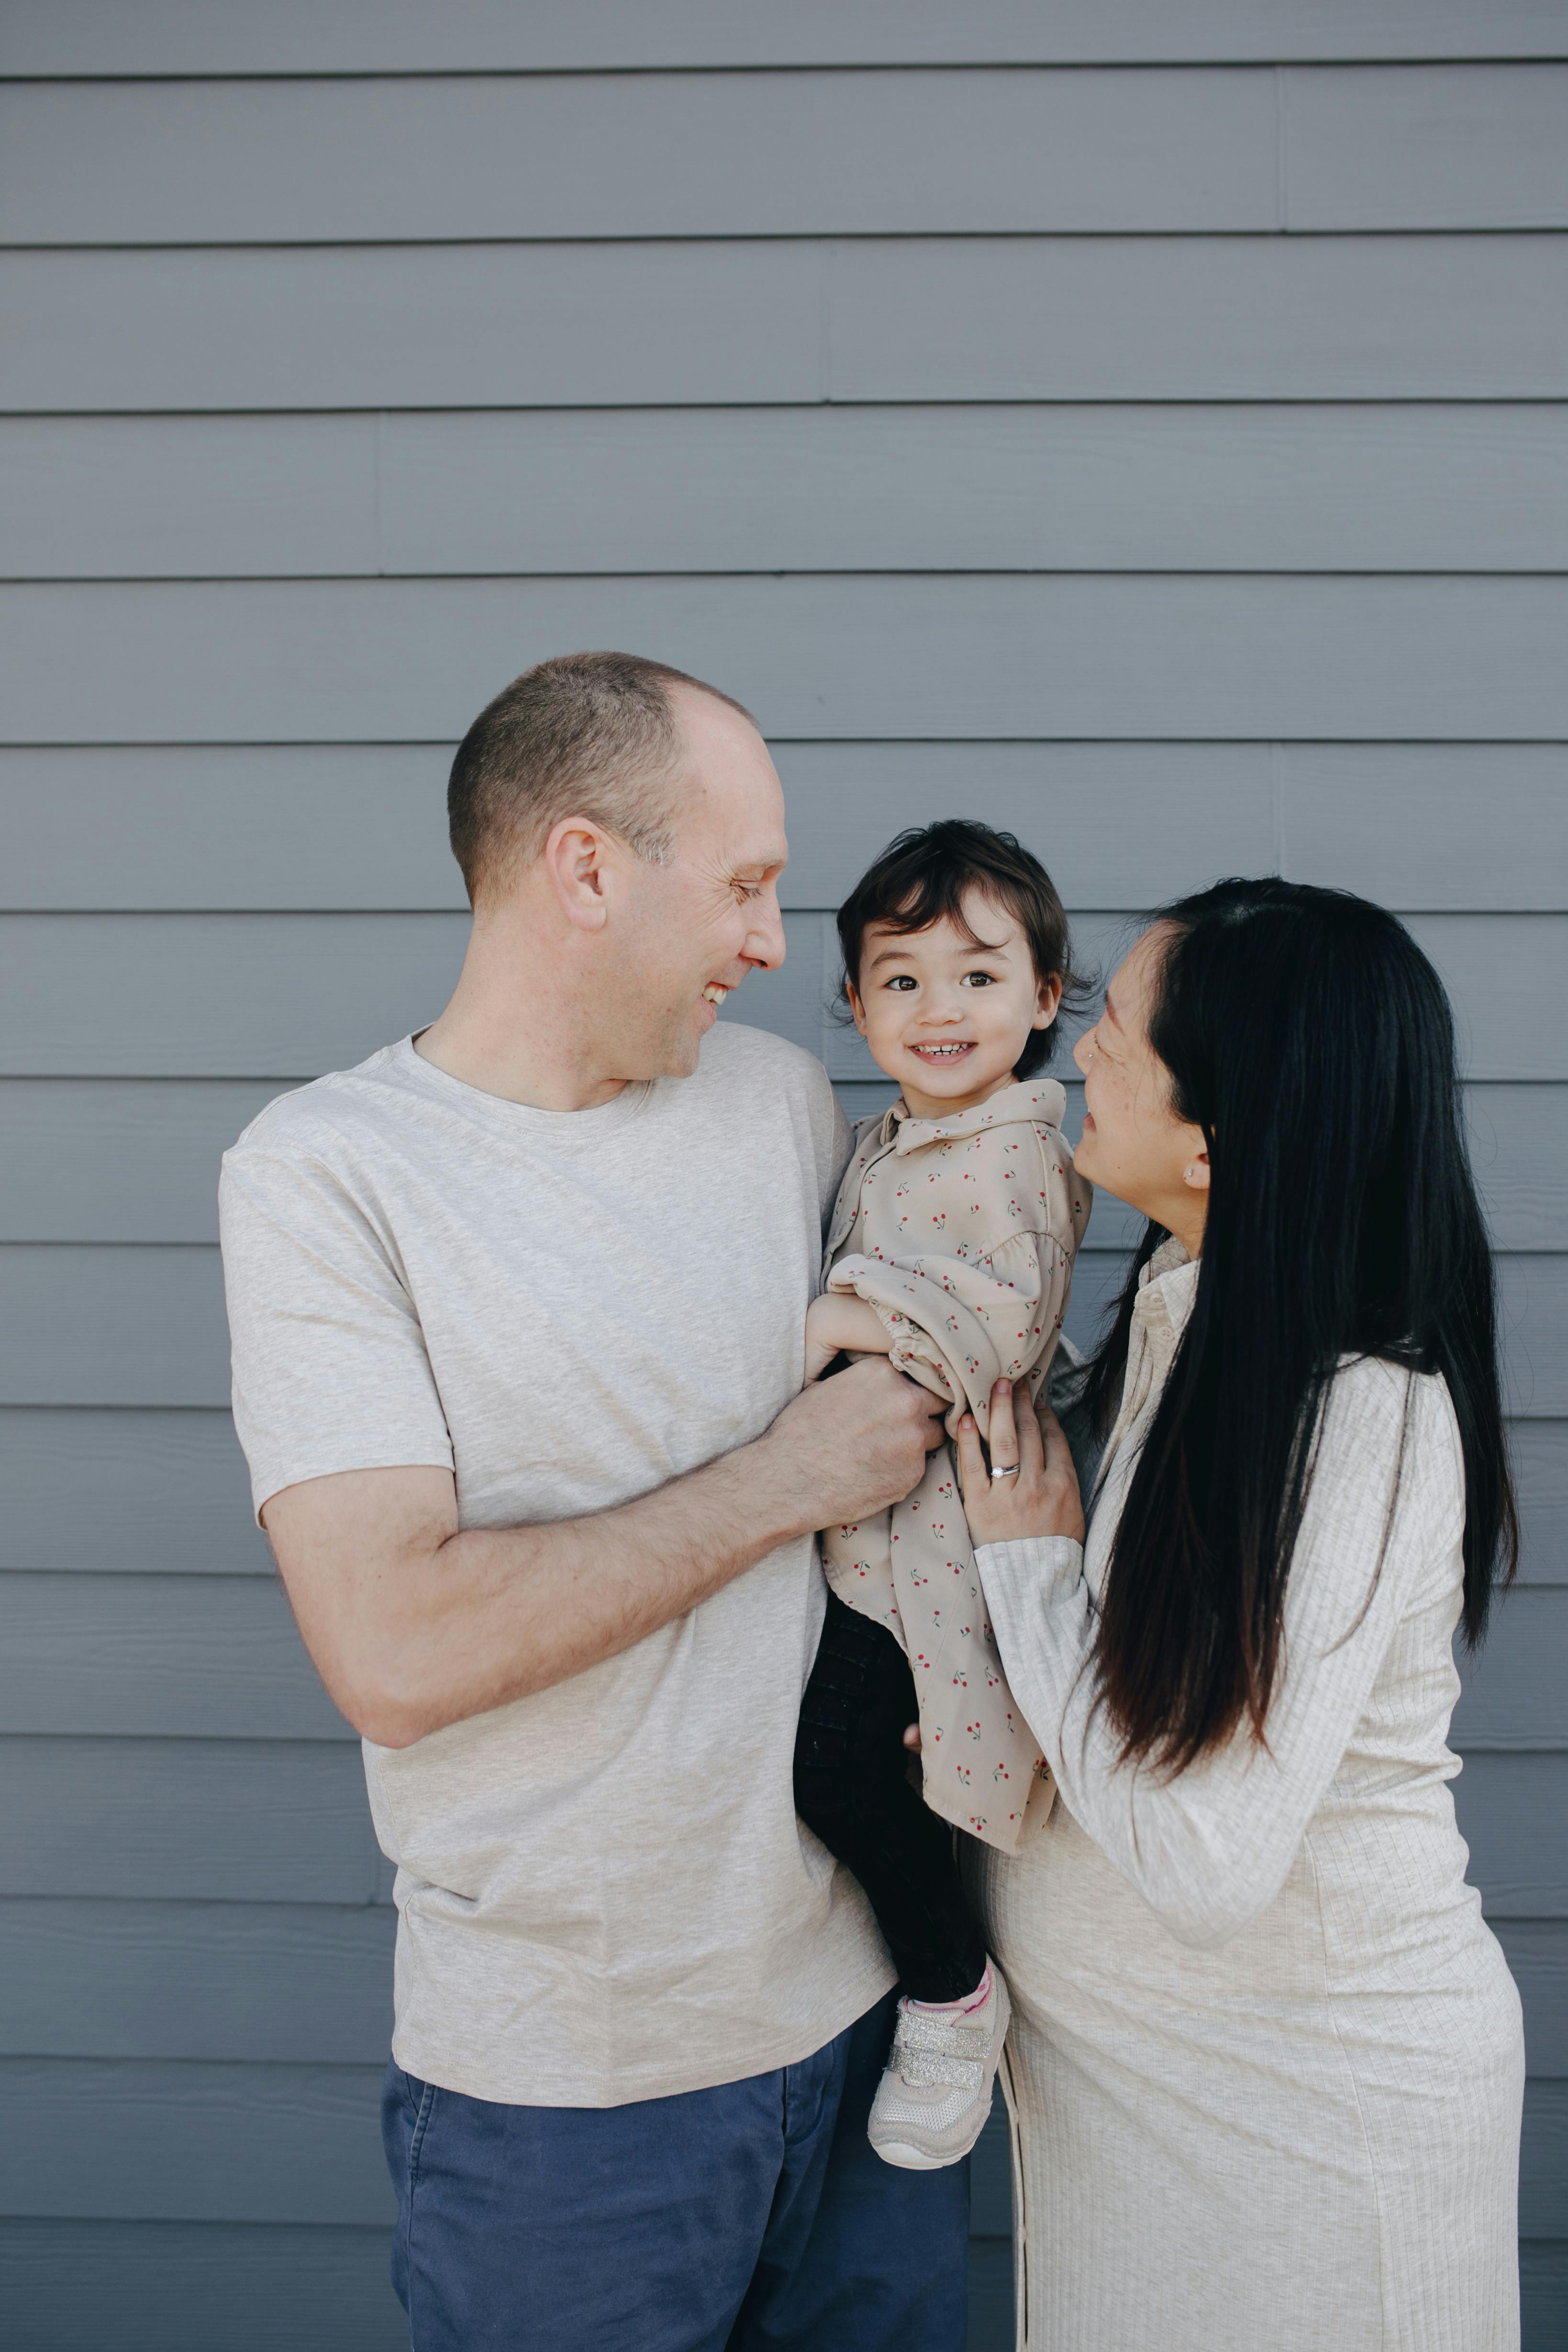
(837, 1322)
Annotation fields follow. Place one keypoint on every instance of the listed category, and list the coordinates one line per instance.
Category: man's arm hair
(414, 1623)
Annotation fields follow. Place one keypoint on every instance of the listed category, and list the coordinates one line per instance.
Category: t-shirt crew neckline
(517, 1117)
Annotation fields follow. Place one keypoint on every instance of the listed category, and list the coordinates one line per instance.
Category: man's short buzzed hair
(588, 735)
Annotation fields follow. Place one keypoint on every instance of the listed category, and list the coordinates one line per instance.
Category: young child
(950, 1250)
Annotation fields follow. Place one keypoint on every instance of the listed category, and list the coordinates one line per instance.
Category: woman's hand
(1036, 1492)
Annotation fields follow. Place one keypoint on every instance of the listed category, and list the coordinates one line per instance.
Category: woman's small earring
(1190, 1174)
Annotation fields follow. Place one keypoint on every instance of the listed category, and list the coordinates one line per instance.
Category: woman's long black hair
(1308, 1036)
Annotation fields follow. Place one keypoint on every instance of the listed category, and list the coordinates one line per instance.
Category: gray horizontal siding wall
(1145, 425)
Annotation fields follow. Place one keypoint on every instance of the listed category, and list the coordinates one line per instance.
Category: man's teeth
(715, 994)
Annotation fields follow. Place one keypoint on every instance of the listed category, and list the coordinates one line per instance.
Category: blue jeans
(750, 2218)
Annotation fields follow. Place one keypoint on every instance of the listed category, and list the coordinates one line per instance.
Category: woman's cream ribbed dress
(1266, 2058)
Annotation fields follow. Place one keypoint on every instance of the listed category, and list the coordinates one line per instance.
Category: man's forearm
(430, 1624)
(415, 1625)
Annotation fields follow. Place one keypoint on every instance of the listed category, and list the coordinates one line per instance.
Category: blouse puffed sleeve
(1209, 1848)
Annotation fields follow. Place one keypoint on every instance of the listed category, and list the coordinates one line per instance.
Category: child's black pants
(852, 1788)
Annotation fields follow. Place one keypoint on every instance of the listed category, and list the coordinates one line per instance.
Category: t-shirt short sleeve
(330, 1371)
(834, 1140)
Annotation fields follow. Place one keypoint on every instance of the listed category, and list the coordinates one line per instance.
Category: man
(517, 1311)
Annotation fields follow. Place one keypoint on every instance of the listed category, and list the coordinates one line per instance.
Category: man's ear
(1050, 1002)
(576, 856)
(856, 1007)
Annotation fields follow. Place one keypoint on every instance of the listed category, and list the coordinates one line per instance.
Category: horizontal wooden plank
(1424, 147)
(116, 1160)
(1504, 973)
(291, 2143)
(385, 976)
(497, 326)
(308, 1983)
(1513, 1814)
(1537, 1952)
(268, 1822)
(311, 1983)
(234, 2143)
(112, 1327)
(144, 1326)
(51, 38)
(279, 2144)
(294, 994)
(84, 1490)
(88, 1490)
(1541, 1472)
(740, 154)
(1335, 488)
(176, 496)
(567, 325)
(364, 826)
(188, 1820)
(1072, 654)
(1086, 319)
(202, 827)
(1406, 823)
(186, 2286)
(1533, 1321)
(797, 153)
(1543, 2160)
(1544, 2295)
(1519, 1144)
(1512, 1697)
(186, 1657)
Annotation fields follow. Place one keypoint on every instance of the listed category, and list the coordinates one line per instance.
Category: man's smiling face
(700, 922)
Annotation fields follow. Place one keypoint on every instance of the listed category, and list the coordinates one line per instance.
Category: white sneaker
(934, 2097)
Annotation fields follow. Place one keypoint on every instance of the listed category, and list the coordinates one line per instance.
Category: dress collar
(1168, 1288)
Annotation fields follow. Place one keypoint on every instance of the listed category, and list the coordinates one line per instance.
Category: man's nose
(765, 942)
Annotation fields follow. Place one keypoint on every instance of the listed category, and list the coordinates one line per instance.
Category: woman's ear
(856, 1008)
(1050, 1002)
(1194, 1175)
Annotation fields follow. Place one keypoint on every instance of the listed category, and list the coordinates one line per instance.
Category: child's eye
(979, 980)
(902, 980)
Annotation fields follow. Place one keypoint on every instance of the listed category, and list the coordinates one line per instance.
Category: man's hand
(849, 1448)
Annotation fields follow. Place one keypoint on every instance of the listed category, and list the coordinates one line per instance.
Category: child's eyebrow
(975, 947)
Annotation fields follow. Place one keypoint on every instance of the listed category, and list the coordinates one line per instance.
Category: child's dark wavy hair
(924, 875)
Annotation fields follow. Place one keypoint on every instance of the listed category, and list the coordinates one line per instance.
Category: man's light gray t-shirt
(603, 1891)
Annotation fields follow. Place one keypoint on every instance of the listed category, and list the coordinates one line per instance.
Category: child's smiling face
(946, 1014)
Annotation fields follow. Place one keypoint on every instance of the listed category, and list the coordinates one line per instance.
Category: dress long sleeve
(1209, 1848)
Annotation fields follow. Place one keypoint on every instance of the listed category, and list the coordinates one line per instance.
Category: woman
(1267, 2060)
